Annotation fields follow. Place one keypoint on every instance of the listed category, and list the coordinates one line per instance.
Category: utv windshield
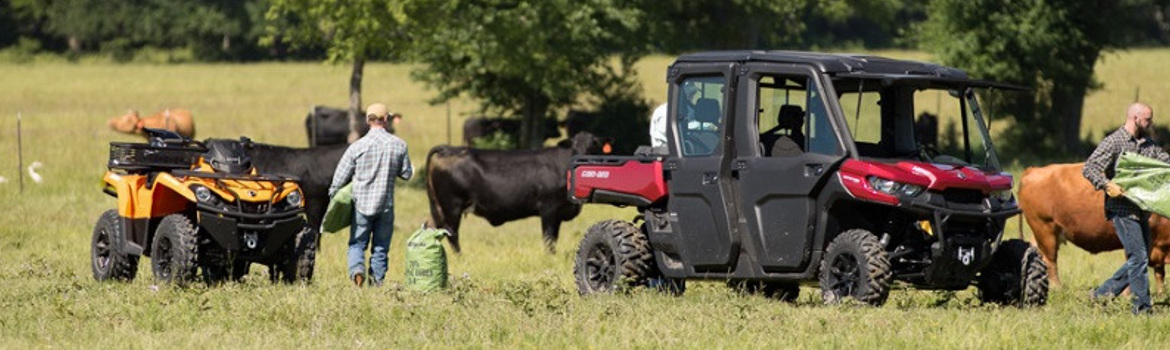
(890, 119)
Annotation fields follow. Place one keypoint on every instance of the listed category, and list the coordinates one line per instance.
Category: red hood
(937, 177)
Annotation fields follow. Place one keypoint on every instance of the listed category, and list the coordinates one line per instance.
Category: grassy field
(506, 292)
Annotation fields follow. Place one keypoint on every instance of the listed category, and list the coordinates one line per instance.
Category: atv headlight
(294, 198)
(203, 194)
(892, 187)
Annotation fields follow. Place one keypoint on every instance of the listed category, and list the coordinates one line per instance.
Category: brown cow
(1061, 205)
(177, 120)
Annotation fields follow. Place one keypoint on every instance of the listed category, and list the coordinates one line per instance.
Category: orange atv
(199, 208)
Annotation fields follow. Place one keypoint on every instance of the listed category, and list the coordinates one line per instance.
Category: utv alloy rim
(600, 267)
(101, 254)
(844, 275)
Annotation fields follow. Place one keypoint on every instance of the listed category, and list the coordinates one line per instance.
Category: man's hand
(1113, 190)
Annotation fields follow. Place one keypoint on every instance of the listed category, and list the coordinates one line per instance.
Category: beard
(1145, 132)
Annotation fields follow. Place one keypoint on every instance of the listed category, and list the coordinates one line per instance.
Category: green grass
(506, 293)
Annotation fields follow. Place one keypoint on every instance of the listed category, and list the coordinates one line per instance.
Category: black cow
(313, 166)
(483, 126)
(332, 126)
(503, 186)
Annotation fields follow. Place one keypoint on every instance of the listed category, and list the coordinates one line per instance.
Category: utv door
(785, 155)
(698, 168)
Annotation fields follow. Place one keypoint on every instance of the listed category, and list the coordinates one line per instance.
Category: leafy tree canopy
(1050, 46)
(523, 57)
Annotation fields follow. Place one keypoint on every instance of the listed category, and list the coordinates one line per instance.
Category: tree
(351, 31)
(120, 27)
(689, 25)
(524, 57)
(1050, 46)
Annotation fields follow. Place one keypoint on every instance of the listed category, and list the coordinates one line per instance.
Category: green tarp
(1145, 182)
(426, 260)
(340, 212)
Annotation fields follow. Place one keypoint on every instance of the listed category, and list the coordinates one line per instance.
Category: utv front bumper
(967, 229)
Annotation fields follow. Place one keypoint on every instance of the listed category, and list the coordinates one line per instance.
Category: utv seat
(789, 144)
(706, 135)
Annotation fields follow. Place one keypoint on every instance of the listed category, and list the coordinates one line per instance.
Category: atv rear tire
(174, 255)
(856, 266)
(299, 266)
(106, 261)
(613, 256)
(783, 291)
(1016, 275)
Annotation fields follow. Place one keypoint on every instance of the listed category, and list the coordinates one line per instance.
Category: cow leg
(1159, 278)
(454, 218)
(551, 229)
(1158, 259)
(448, 217)
(1045, 234)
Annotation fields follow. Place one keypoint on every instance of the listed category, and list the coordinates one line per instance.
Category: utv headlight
(294, 198)
(203, 194)
(892, 187)
(1002, 195)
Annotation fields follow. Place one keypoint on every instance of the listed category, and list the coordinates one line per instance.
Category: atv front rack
(246, 177)
(143, 157)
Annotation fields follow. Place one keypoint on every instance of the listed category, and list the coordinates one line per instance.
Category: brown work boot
(359, 279)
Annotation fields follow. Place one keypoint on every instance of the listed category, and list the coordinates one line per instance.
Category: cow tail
(437, 218)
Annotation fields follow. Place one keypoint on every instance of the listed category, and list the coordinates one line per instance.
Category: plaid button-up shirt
(372, 163)
(1101, 166)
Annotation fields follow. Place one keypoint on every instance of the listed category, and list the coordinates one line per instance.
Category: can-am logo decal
(600, 174)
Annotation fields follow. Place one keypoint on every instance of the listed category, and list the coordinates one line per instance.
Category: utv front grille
(963, 196)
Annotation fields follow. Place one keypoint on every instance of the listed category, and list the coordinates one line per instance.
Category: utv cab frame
(786, 169)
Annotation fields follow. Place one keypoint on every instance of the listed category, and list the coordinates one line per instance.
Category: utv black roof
(856, 66)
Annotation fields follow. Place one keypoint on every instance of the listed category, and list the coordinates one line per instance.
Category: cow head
(587, 143)
(128, 123)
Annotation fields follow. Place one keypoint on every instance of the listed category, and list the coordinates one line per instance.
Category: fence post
(19, 153)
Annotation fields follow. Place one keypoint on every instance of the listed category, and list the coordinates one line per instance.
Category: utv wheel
(105, 260)
(613, 256)
(855, 266)
(1016, 275)
(175, 251)
(299, 265)
(783, 291)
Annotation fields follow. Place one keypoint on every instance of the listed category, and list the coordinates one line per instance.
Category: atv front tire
(613, 256)
(1016, 275)
(299, 265)
(106, 261)
(855, 266)
(175, 251)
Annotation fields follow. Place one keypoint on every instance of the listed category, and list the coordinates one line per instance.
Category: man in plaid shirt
(372, 163)
(1131, 222)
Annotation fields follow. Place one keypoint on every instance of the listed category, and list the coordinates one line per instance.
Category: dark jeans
(1134, 233)
(372, 231)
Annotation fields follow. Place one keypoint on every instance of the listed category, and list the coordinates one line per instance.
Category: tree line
(536, 58)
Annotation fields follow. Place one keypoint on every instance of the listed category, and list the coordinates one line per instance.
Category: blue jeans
(365, 230)
(1134, 233)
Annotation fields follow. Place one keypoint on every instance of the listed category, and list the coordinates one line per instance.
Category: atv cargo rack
(143, 157)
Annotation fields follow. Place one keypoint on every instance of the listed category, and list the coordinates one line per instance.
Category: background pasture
(506, 291)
